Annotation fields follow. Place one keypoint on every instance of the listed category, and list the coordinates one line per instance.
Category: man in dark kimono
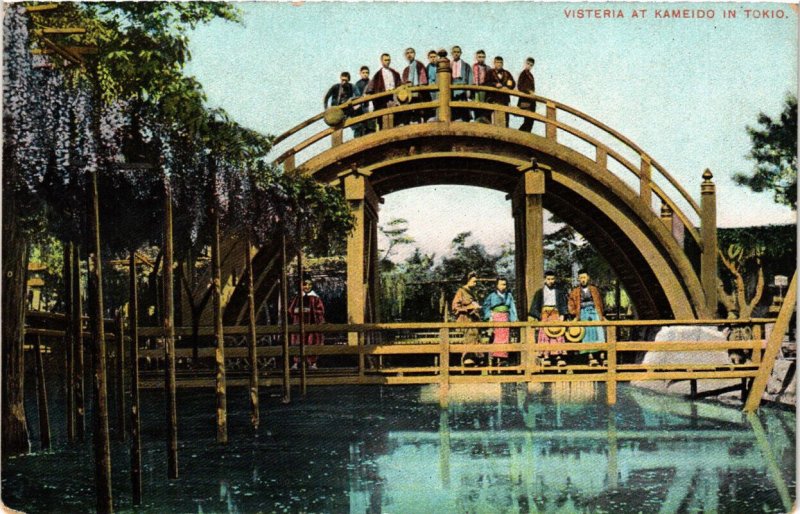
(359, 89)
(385, 79)
(313, 312)
(462, 74)
(479, 72)
(527, 84)
(340, 92)
(549, 304)
(415, 74)
(501, 79)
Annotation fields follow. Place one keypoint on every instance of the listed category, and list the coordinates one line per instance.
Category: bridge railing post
(645, 188)
(708, 231)
(550, 129)
(611, 356)
(444, 78)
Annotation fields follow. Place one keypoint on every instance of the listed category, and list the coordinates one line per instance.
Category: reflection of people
(550, 304)
(499, 306)
(527, 84)
(466, 308)
(586, 304)
(313, 314)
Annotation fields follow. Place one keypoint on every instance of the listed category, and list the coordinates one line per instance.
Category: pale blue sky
(684, 90)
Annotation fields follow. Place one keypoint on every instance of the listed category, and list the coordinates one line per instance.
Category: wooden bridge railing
(646, 171)
(428, 353)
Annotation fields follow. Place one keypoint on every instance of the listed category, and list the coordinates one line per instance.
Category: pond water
(496, 448)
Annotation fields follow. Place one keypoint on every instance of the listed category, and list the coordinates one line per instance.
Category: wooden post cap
(334, 116)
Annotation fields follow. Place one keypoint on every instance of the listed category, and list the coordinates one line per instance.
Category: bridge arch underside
(637, 245)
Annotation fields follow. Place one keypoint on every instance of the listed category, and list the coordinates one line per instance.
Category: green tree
(774, 151)
(396, 233)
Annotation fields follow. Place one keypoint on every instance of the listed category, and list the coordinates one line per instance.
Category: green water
(392, 449)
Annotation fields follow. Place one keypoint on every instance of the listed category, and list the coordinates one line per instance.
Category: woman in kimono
(499, 306)
(465, 309)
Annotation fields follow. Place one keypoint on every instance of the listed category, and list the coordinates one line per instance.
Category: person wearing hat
(527, 84)
(415, 74)
(466, 308)
(499, 306)
(550, 304)
(501, 79)
(586, 304)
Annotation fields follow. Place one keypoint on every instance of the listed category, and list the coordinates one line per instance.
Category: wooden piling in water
(119, 387)
(252, 341)
(169, 340)
(100, 436)
(301, 303)
(69, 365)
(77, 341)
(287, 387)
(41, 395)
(219, 354)
(135, 427)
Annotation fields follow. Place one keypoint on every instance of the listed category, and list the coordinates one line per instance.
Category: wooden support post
(444, 367)
(252, 338)
(444, 79)
(337, 138)
(708, 230)
(168, 313)
(219, 336)
(301, 303)
(77, 341)
(611, 382)
(755, 358)
(102, 449)
(361, 357)
(69, 354)
(773, 347)
(529, 211)
(601, 157)
(666, 216)
(284, 314)
(119, 386)
(41, 395)
(499, 119)
(289, 163)
(135, 425)
(645, 185)
(551, 129)
(531, 365)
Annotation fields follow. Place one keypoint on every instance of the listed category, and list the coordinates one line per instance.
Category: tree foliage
(774, 150)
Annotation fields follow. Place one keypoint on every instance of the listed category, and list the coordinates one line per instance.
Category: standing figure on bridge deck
(340, 92)
(313, 312)
(586, 304)
(415, 75)
(480, 70)
(365, 127)
(385, 79)
(550, 304)
(462, 74)
(527, 84)
(466, 308)
(431, 70)
(499, 306)
(501, 79)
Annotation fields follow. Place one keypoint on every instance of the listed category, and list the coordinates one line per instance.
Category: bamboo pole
(773, 347)
(169, 339)
(219, 354)
(302, 306)
(102, 450)
(251, 311)
(119, 388)
(77, 341)
(41, 395)
(287, 391)
(136, 441)
(69, 371)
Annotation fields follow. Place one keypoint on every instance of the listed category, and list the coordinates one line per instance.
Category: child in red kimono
(313, 314)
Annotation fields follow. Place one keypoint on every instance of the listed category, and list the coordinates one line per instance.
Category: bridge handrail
(550, 119)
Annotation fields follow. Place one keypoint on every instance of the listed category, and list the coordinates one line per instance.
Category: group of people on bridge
(416, 73)
(551, 303)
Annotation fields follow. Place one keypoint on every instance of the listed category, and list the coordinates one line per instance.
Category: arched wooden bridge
(660, 242)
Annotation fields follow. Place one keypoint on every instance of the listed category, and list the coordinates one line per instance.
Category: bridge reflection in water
(506, 451)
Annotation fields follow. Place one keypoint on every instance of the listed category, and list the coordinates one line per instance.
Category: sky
(682, 89)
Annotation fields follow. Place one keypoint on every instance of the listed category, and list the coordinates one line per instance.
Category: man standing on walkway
(415, 75)
(385, 79)
(462, 74)
(365, 127)
(501, 79)
(527, 84)
(313, 312)
(586, 304)
(479, 72)
(340, 92)
(550, 304)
